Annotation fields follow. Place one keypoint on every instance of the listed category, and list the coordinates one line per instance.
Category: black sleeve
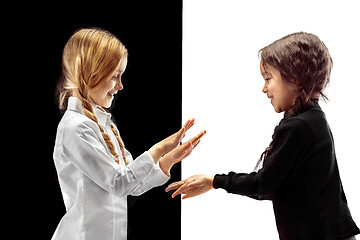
(292, 143)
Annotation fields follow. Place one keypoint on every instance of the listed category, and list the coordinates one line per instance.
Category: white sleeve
(156, 178)
(82, 148)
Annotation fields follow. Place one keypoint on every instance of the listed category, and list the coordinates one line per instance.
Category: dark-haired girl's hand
(193, 186)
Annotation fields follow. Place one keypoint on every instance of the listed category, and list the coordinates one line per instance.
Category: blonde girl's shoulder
(76, 123)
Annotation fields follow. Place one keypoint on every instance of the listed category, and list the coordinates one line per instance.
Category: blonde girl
(298, 172)
(96, 173)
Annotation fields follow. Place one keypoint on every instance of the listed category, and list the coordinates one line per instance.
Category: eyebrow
(266, 73)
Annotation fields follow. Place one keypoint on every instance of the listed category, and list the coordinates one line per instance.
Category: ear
(295, 81)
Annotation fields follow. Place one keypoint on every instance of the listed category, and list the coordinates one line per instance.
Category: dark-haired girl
(298, 171)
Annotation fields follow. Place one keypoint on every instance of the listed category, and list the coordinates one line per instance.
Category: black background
(147, 110)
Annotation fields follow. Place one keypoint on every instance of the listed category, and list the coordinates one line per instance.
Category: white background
(222, 90)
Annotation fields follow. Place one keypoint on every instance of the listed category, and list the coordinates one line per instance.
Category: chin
(108, 102)
(105, 104)
(277, 110)
(108, 105)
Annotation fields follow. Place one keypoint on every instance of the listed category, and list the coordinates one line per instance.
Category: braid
(294, 110)
(89, 112)
(121, 144)
(269, 149)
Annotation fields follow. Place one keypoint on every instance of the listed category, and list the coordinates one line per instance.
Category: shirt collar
(102, 116)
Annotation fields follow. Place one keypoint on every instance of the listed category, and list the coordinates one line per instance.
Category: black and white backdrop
(191, 58)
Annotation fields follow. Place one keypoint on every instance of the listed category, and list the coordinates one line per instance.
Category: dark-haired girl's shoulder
(313, 117)
(313, 121)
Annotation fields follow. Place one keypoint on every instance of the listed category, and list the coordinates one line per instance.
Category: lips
(271, 97)
(111, 94)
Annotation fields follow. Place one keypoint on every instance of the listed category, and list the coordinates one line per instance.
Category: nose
(119, 85)
(264, 90)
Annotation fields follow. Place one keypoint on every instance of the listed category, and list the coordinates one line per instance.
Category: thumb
(180, 134)
(183, 151)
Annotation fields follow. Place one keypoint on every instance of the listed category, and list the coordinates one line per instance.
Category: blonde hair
(90, 56)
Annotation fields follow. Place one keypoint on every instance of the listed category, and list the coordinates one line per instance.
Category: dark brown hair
(300, 58)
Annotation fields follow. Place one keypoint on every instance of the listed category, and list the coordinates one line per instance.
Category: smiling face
(104, 95)
(282, 94)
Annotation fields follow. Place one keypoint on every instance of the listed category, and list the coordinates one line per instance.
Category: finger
(179, 191)
(187, 196)
(192, 122)
(189, 123)
(180, 150)
(176, 136)
(190, 195)
(185, 146)
(197, 137)
(174, 185)
(184, 150)
(180, 134)
(184, 153)
(188, 188)
(196, 143)
(191, 191)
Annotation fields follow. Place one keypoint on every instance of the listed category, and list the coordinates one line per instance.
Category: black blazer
(301, 177)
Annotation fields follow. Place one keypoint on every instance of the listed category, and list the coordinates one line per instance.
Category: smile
(112, 94)
(271, 98)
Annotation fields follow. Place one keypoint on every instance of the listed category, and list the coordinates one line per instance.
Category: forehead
(266, 69)
(263, 68)
(122, 64)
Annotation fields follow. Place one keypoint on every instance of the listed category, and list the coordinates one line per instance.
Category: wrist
(211, 180)
(156, 152)
(165, 165)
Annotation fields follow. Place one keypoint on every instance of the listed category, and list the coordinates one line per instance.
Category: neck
(315, 95)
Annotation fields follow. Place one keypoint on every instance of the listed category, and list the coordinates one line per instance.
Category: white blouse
(94, 187)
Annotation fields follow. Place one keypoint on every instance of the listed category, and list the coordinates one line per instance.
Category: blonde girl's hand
(193, 186)
(179, 153)
(171, 142)
(174, 140)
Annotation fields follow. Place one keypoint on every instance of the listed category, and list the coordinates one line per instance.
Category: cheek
(277, 89)
(108, 87)
(271, 88)
(101, 94)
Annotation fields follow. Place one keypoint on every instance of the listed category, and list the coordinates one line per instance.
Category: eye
(267, 79)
